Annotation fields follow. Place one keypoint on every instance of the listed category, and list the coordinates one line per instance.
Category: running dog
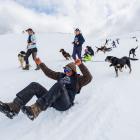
(132, 51)
(21, 58)
(103, 49)
(65, 54)
(119, 63)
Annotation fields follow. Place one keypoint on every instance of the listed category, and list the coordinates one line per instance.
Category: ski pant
(28, 53)
(77, 50)
(56, 97)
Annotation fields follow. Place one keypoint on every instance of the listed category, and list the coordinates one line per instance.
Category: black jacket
(70, 86)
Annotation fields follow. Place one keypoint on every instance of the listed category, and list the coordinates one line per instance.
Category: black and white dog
(21, 58)
(119, 63)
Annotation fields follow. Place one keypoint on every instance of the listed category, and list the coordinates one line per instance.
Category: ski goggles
(67, 69)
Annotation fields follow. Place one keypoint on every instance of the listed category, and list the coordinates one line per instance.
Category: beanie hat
(77, 29)
(72, 66)
(29, 29)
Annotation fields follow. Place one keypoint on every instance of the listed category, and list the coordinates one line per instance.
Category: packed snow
(106, 109)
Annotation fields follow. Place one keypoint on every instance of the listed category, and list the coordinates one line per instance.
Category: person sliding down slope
(60, 96)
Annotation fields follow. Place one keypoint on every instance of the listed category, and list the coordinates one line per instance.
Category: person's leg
(56, 97)
(79, 51)
(22, 98)
(74, 53)
(33, 89)
(53, 94)
(34, 55)
(28, 53)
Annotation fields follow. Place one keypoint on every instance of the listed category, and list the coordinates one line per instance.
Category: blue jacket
(78, 38)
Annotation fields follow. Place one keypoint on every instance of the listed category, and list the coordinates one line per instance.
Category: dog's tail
(134, 59)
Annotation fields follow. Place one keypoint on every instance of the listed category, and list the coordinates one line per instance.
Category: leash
(97, 61)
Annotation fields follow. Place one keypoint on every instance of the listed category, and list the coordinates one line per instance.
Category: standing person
(31, 48)
(114, 44)
(77, 44)
(106, 41)
(60, 96)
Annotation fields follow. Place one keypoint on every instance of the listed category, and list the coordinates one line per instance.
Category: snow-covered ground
(106, 109)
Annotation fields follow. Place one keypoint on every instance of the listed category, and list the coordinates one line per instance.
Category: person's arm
(48, 72)
(81, 40)
(86, 77)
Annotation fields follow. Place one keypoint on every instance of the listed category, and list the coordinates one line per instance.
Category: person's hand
(77, 43)
(78, 62)
(38, 61)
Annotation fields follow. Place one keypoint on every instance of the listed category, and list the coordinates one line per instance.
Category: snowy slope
(106, 109)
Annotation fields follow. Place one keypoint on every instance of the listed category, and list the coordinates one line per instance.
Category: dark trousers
(77, 50)
(28, 53)
(56, 97)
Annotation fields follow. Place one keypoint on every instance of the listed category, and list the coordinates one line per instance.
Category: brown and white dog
(65, 54)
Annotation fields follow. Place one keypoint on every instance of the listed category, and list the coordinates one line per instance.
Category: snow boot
(31, 111)
(9, 109)
(37, 67)
(26, 67)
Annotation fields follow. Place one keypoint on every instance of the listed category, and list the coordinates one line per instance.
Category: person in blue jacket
(31, 48)
(77, 44)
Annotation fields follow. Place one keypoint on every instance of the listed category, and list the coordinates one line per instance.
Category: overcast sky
(91, 16)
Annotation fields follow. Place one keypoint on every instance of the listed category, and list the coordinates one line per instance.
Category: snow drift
(106, 109)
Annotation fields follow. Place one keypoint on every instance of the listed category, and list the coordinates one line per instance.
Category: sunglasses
(67, 70)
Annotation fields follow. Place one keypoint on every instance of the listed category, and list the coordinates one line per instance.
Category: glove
(77, 43)
(78, 62)
(65, 80)
(38, 61)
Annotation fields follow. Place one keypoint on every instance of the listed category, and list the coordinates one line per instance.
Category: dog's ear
(22, 52)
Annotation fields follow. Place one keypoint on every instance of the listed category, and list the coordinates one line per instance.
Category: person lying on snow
(60, 96)
(89, 53)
